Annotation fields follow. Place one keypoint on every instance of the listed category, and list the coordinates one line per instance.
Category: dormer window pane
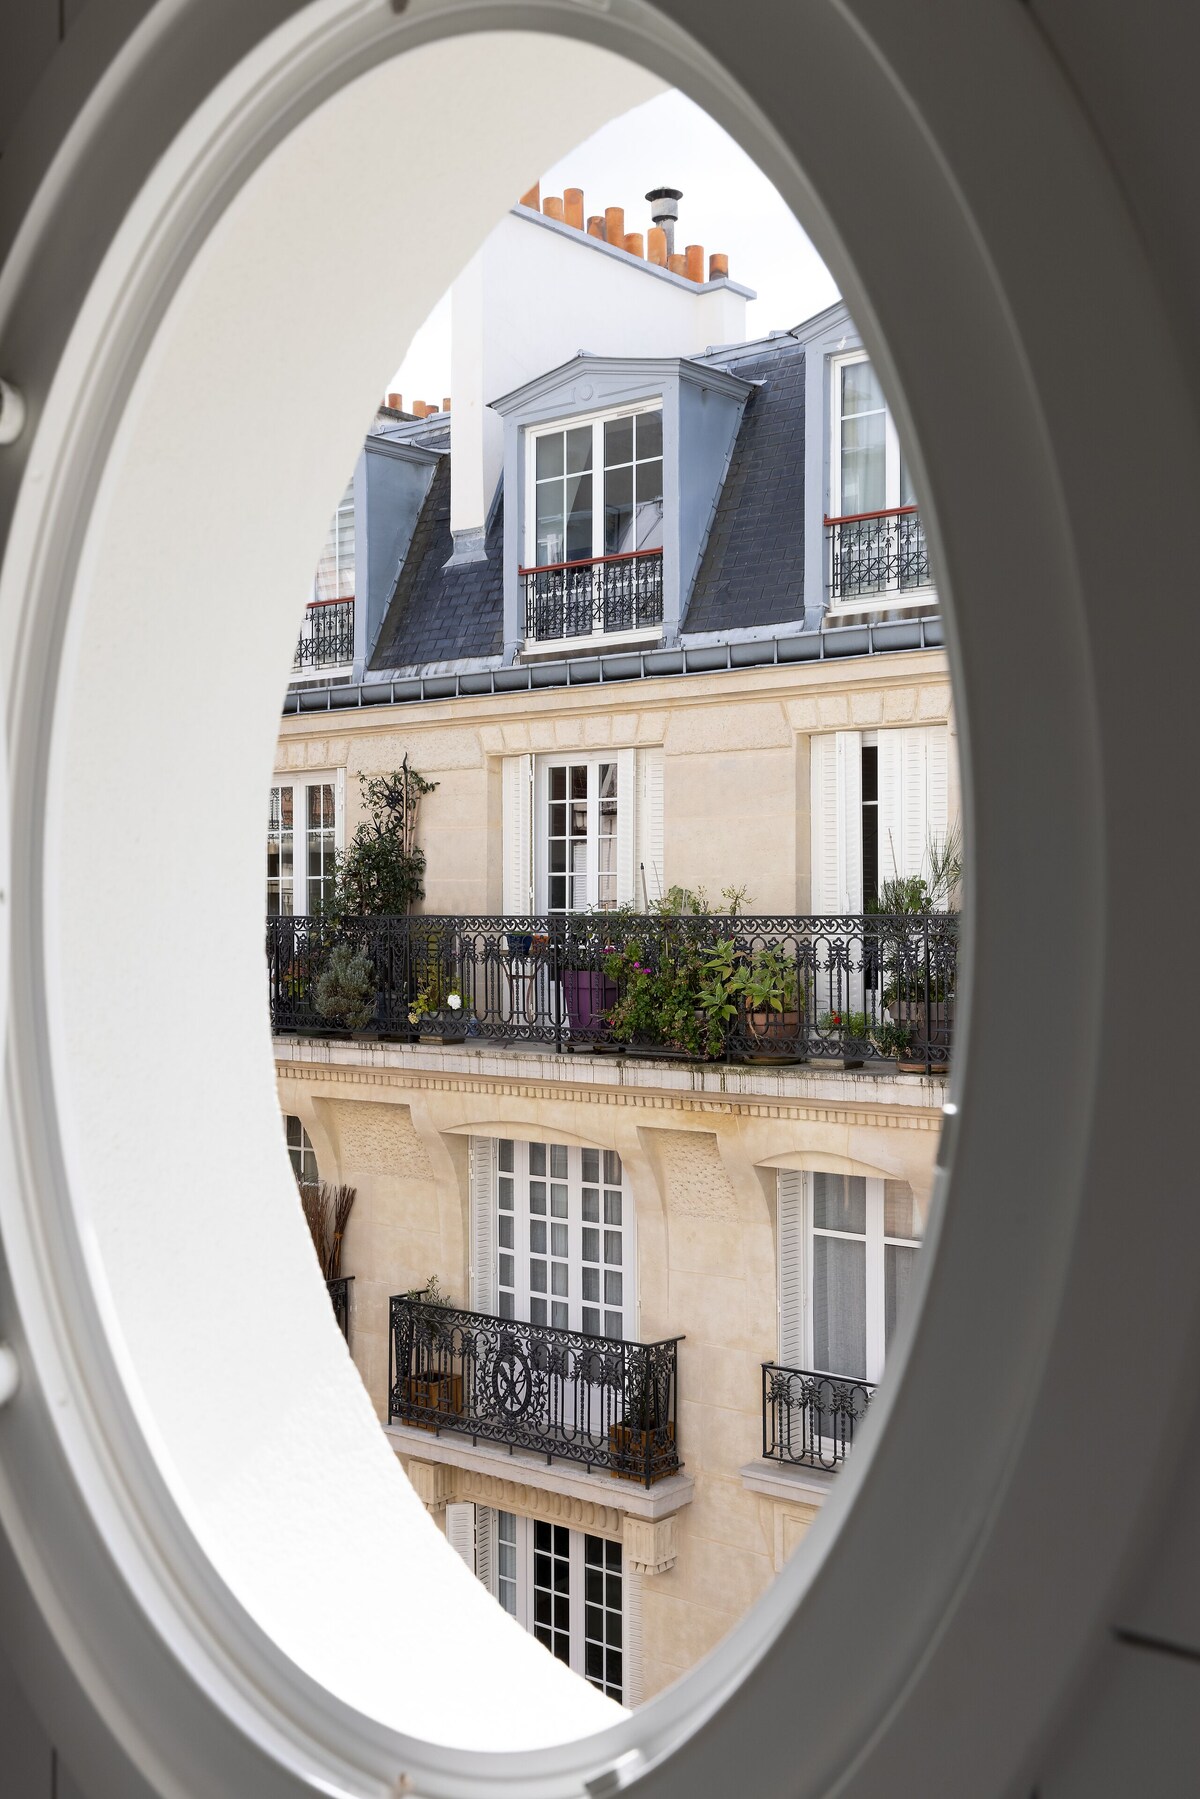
(579, 450)
(549, 455)
(579, 517)
(618, 441)
(618, 509)
(649, 434)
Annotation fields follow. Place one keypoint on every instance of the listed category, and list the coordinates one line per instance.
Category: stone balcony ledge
(880, 1085)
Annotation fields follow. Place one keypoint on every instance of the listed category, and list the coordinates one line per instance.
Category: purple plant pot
(588, 995)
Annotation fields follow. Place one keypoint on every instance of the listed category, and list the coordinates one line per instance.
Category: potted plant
(432, 1386)
(772, 1005)
(918, 963)
(851, 1031)
(635, 1444)
(345, 992)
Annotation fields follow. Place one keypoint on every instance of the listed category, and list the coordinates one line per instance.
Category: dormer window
(876, 539)
(594, 532)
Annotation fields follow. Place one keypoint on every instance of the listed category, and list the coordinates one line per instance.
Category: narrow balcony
(339, 1298)
(855, 991)
(877, 553)
(326, 636)
(594, 1401)
(809, 1418)
(606, 597)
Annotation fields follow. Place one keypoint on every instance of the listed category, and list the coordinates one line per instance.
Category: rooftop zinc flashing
(655, 269)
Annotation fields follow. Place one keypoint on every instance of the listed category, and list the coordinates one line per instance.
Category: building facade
(657, 618)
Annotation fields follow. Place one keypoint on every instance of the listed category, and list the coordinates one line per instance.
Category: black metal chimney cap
(665, 193)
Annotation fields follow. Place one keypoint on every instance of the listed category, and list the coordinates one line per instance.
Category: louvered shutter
(651, 876)
(914, 755)
(826, 825)
(482, 1182)
(485, 1547)
(627, 809)
(849, 769)
(460, 1532)
(937, 786)
(891, 806)
(791, 1267)
(634, 1658)
(517, 835)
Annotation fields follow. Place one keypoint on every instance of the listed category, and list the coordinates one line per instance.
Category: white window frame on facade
(559, 1237)
(798, 1232)
(894, 483)
(620, 888)
(506, 1551)
(301, 1153)
(302, 848)
(549, 428)
(641, 870)
(912, 810)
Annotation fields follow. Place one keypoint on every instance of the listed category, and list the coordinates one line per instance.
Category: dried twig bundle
(326, 1208)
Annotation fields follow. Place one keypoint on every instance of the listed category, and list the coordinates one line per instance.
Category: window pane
(649, 434)
(558, 1279)
(591, 1205)
(861, 391)
(579, 781)
(579, 517)
(840, 1306)
(537, 1158)
(612, 1168)
(863, 468)
(840, 1202)
(618, 441)
(579, 450)
(558, 1239)
(590, 1165)
(558, 783)
(900, 1215)
(612, 1248)
(618, 511)
(612, 1208)
(899, 1273)
(548, 454)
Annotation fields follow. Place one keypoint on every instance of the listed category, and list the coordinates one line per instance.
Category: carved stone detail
(534, 1502)
(432, 1482)
(650, 1544)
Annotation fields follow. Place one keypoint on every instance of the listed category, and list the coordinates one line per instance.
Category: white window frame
(887, 598)
(597, 421)
(876, 1242)
(592, 760)
(525, 1531)
(517, 1294)
(301, 1153)
(300, 782)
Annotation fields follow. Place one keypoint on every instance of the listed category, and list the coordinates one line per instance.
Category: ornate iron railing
(809, 1418)
(326, 636)
(607, 594)
(859, 990)
(339, 1299)
(562, 1394)
(877, 552)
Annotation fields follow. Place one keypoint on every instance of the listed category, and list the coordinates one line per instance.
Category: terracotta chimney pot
(446, 403)
(552, 207)
(634, 243)
(694, 268)
(595, 226)
(420, 409)
(614, 224)
(396, 402)
(718, 265)
(677, 263)
(573, 207)
(533, 198)
(656, 246)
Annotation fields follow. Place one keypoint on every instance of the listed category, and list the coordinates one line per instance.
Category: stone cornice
(403, 1081)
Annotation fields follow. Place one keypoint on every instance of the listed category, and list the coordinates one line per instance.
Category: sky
(728, 204)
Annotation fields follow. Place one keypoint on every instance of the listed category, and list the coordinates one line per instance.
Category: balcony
(604, 597)
(326, 636)
(809, 1418)
(339, 1298)
(877, 553)
(593, 1401)
(869, 991)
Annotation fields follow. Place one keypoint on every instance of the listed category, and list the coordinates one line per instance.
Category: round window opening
(614, 886)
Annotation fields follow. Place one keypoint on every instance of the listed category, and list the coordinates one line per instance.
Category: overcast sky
(727, 204)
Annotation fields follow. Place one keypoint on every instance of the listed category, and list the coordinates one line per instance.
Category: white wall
(530, 299)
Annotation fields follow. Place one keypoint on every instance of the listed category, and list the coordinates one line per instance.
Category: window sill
(554, 649)
(800, 1486)
(889, 599)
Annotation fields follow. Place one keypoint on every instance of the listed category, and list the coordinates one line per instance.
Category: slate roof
(752, 570)
(438, 614)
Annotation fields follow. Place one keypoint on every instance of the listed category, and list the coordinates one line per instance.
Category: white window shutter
(482, 1183)
(460, 1532)
(790, 1190)
(485, 1546)
(651, 877)
(826, 825)
(849, 758)
(517, 835)
(937, 792)
(891, 806)
(914, 749)
(634, 1652)
(627, 888)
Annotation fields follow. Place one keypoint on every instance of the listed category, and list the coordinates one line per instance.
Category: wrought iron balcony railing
(877, 552)
(857, 989)
(591, 1400)
(605, 595)
(339, 1299)
(327, 635)
(809, 1418)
